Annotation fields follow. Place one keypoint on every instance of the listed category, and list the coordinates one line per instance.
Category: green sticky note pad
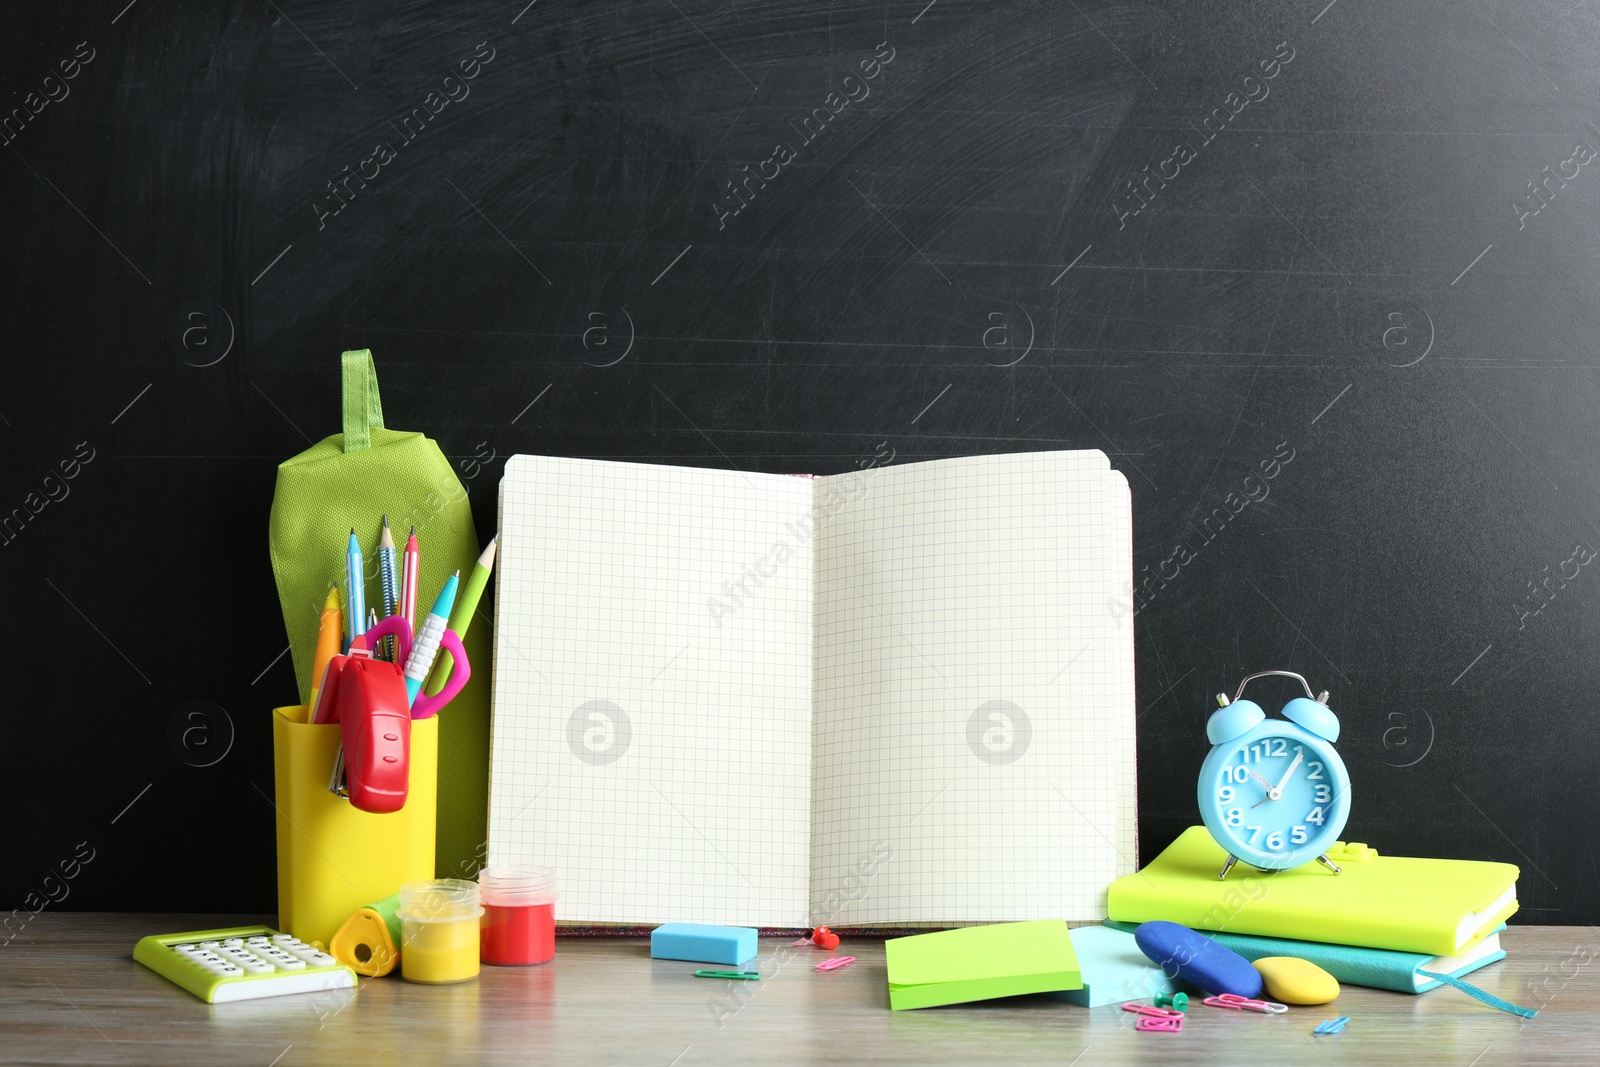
(980, 963)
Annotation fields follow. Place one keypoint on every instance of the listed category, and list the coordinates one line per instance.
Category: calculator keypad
(236, 957)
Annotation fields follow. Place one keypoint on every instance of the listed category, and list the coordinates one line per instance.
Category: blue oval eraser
(1197, 959)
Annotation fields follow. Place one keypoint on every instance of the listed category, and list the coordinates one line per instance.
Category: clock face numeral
(1265, 749)
(1245, 788)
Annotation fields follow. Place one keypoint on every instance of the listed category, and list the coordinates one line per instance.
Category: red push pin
(824, 938)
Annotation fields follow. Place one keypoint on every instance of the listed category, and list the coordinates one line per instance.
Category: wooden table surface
(71, 993)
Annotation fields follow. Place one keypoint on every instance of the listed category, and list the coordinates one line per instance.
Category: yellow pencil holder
(332, 857)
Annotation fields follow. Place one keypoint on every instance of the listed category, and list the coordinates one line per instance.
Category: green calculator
(241, 963)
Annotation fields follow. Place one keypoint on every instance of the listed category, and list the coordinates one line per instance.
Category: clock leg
(1226, 867)
(1326, 862)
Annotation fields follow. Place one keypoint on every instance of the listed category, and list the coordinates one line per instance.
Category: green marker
(461, 615)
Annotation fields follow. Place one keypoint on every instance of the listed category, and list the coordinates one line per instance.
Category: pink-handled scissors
(425, 706)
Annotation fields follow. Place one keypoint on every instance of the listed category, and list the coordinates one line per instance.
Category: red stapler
(375, 733)
(367, 698)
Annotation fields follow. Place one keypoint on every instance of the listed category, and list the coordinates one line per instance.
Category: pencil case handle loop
(363, 409)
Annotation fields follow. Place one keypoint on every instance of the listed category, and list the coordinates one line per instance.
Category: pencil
(356, 595)
(389, 579)
(461, 614)
(329, 632)
(408, 581)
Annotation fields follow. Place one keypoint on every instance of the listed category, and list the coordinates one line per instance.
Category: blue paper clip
(1332, 1026)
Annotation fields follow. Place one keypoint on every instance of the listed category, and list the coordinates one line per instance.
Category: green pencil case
(350, 480)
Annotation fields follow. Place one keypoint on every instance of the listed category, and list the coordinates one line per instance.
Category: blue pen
(355, 594)
(426, 646)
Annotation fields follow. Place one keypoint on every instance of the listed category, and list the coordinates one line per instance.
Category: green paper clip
(743, 976)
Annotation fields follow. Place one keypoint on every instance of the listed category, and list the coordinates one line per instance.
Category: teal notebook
(1376, 968)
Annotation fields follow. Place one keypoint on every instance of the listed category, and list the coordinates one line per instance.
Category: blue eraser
(710, 944)
(1198, 960)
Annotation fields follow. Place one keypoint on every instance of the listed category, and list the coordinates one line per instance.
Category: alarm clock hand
(1277, 790)
(1264, 784)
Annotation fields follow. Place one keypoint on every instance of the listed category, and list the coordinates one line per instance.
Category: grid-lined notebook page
(652, 692)
(973, 724)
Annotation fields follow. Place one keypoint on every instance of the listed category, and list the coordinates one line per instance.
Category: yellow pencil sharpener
(369, 941)
(439, 930)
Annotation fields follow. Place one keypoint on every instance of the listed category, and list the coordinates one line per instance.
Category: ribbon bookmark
(1479, 994)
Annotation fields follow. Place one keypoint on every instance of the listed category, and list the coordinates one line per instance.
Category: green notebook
(1428, 906)
(980, 963)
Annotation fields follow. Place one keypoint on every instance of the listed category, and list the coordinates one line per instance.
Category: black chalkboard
(1348, 242)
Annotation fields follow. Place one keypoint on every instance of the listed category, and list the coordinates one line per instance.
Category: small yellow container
(439, 930)
(332, 857)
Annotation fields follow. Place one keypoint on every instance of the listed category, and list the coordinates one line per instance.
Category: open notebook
(895, 696)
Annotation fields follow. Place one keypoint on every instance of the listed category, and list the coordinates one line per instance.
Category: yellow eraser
(1296, 981)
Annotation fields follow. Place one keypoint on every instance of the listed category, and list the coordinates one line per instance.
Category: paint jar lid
(444, 900)
(517, 885)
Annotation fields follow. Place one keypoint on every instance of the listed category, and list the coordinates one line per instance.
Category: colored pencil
(412, 564)
(389, 579)
(330, 632)
(355, 596)
(461, 614)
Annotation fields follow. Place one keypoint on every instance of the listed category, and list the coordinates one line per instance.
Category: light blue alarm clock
(1273, 792)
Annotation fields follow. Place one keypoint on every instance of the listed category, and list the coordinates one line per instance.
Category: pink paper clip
(835, 963)
(1170, 1026)
(1237, 1003)
(1153, 1013)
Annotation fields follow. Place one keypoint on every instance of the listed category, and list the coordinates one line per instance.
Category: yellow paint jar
(439, 930)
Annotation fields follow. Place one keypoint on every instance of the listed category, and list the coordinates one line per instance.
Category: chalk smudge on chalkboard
(1141, 193)
(811, 127)
(454, 90)
(12, 125)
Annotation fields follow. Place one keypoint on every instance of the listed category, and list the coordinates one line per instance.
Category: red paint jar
(519, 915)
